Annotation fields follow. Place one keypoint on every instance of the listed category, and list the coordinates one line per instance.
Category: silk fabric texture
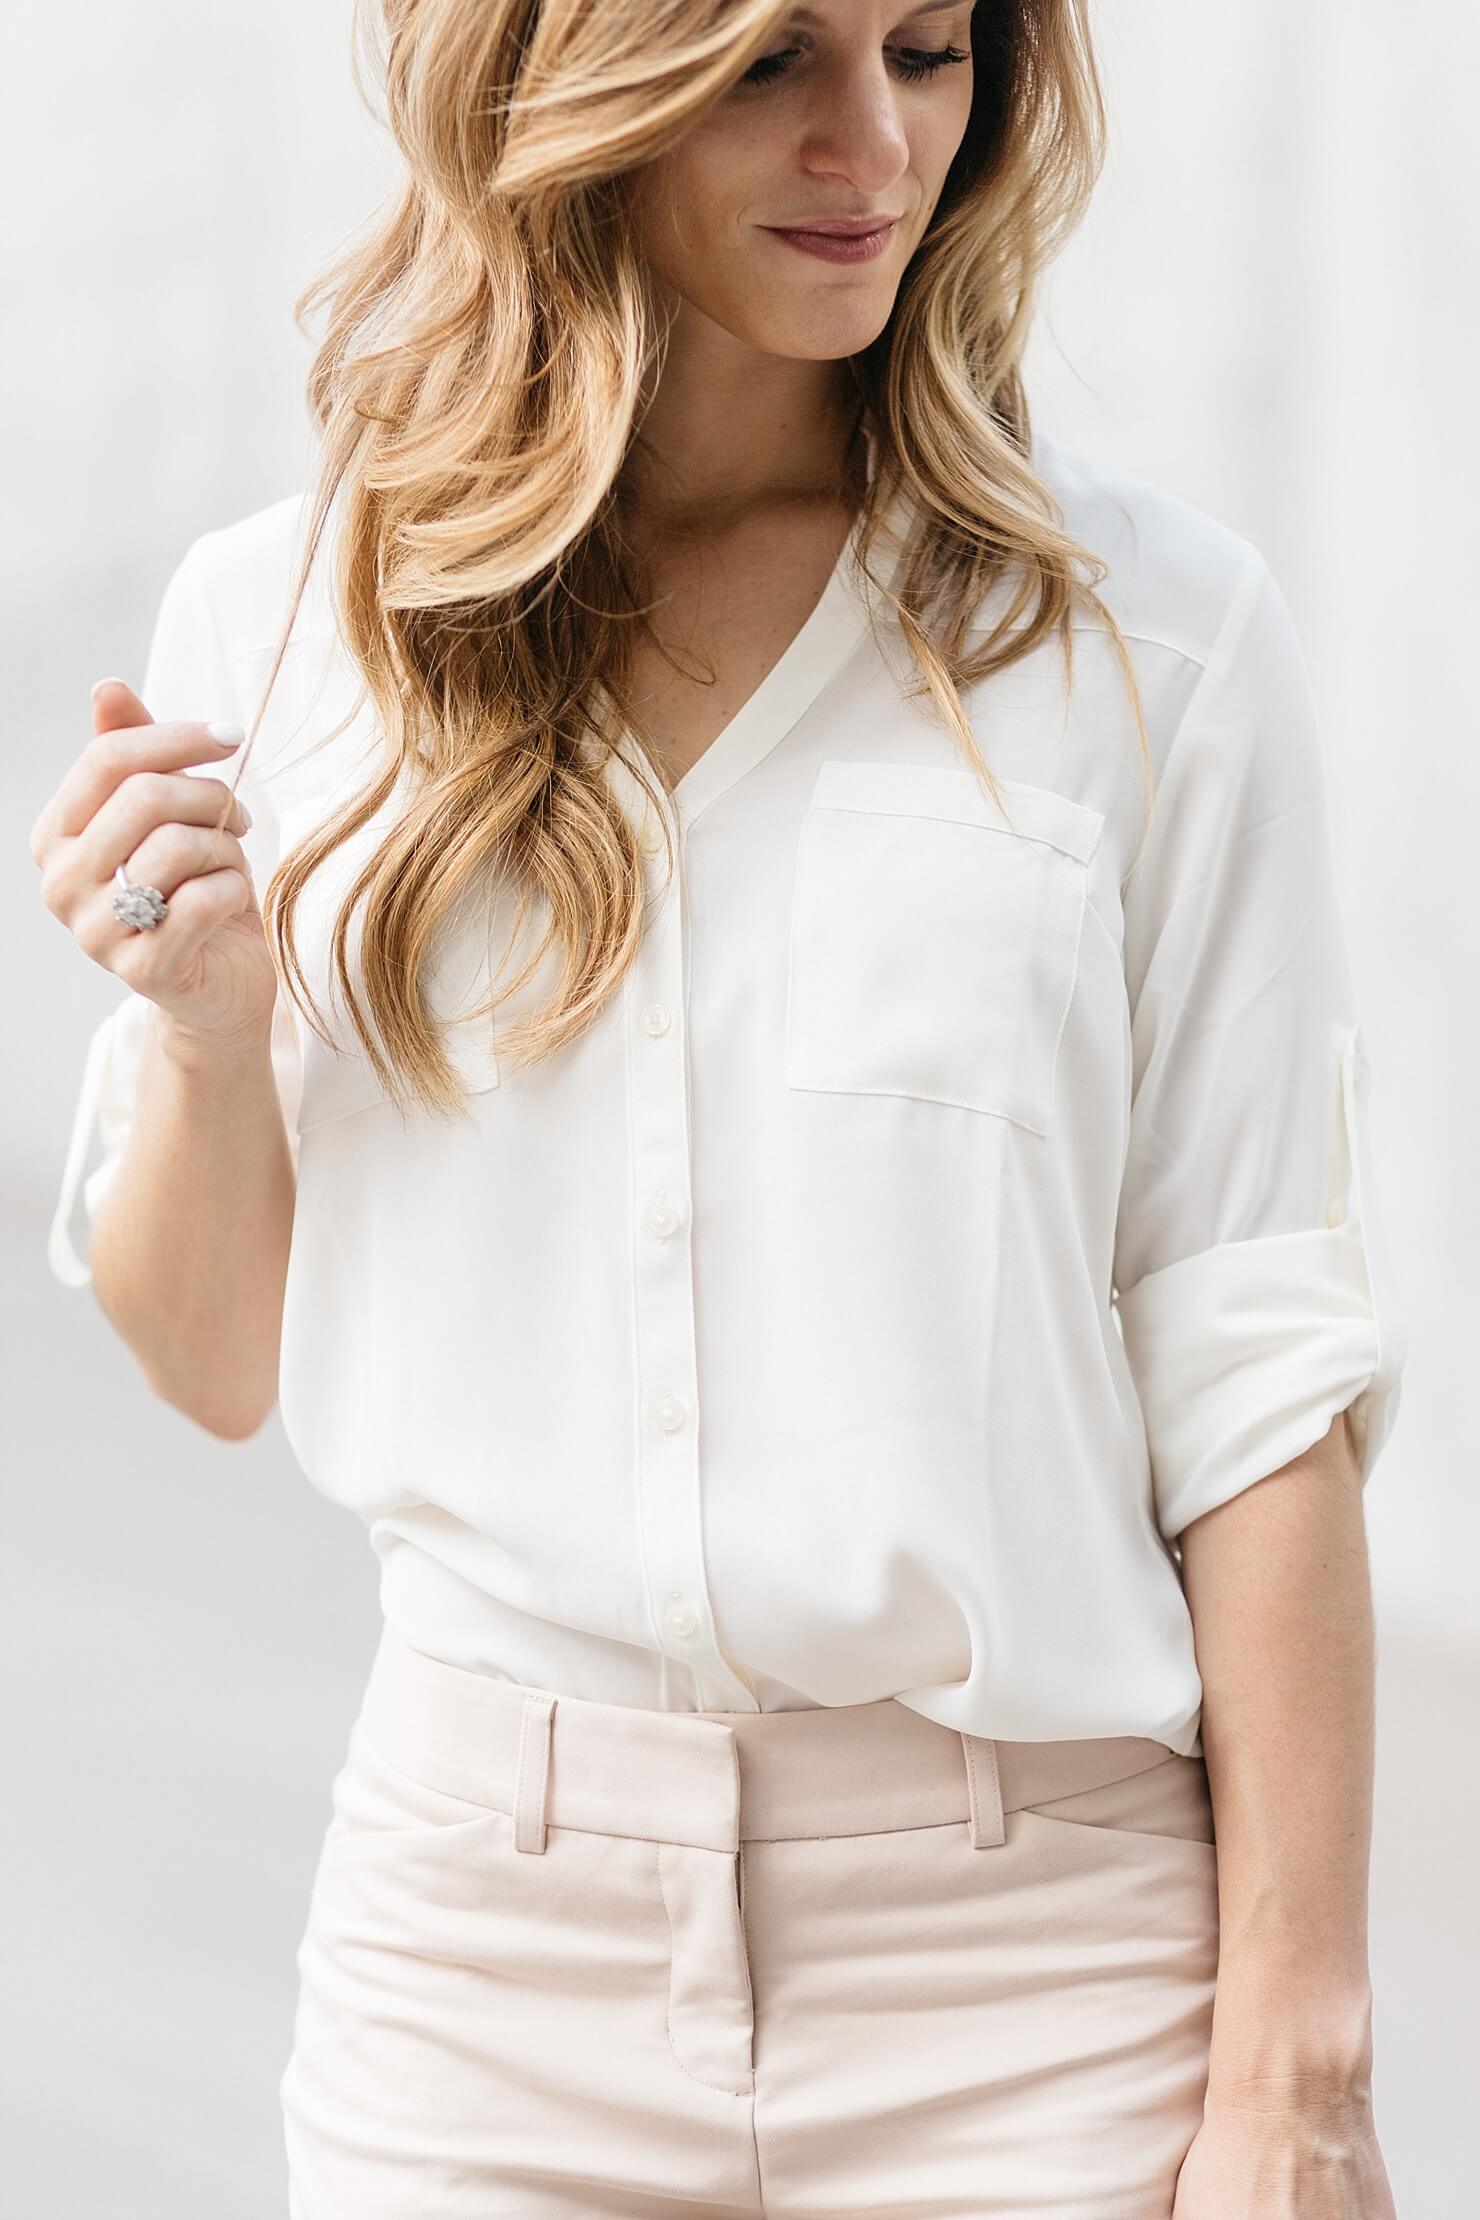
(940, 1218)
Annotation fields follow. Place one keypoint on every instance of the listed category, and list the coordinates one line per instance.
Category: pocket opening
(932, 947)
(1166, 1802)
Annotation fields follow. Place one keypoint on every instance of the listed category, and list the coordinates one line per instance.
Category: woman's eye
(769, 66)
(917, 61)
(912, 62)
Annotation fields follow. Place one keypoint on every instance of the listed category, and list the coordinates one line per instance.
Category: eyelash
(915, 62)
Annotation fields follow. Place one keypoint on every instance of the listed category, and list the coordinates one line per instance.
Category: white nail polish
(229, 735)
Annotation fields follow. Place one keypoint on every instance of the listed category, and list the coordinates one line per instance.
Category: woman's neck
(708, 455)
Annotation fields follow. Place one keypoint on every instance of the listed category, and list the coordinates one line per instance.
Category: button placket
(669, 1504)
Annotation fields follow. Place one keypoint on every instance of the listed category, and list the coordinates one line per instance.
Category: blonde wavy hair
(477, 388)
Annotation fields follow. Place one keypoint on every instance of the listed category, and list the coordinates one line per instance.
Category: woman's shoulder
(1174, 569)
(246, 569)
(228, 602)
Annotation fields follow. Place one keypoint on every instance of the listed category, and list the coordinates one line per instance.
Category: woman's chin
(810, 335)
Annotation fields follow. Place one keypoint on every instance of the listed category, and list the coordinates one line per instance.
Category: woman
(772, 1081)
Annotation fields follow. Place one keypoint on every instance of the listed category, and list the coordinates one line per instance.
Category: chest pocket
(934, 943)
(338, 1079)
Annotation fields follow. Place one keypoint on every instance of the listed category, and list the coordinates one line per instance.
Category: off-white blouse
(926, 1233)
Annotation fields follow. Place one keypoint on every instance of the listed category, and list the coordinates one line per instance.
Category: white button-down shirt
(939, 1218)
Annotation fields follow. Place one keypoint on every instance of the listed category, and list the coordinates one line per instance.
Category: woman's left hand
(1311, 2163)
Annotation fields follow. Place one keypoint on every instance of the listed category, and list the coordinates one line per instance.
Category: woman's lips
(838, 246)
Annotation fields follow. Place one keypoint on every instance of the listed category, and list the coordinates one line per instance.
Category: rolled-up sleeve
(103, 1113)
(186, 675)
(1255, 1285)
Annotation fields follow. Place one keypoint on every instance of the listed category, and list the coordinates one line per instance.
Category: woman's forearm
(1278, 1585)
(189, 1252)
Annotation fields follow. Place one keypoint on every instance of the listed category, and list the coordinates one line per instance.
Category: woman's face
(855, 109)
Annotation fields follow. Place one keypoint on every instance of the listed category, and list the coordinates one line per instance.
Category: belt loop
(984, 1787)
(532, 1773)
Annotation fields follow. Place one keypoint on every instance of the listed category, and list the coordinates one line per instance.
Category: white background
(1272, 310)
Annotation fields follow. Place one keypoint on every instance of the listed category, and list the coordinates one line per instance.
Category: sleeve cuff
(104, 1107)
(1243, 1354)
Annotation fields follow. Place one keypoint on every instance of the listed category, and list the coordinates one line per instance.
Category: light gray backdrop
(1272, 310)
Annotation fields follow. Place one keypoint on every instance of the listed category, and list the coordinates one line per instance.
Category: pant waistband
(713, 1778)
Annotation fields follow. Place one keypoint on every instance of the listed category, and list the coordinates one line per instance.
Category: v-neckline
(838, 621)
(833, 627)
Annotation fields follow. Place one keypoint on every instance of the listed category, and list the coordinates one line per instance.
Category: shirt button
(670, 1413)
(1336, 1210)
(663, 1218)
(680, 1620)
(655, 1019)
(652, 839)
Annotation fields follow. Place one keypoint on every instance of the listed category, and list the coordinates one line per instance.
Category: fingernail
(100, 683)
(229, 736)
(246, 813)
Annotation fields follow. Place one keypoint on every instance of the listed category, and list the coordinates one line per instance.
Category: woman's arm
(190, 1247)
(186, 1078)
(1278, 1586)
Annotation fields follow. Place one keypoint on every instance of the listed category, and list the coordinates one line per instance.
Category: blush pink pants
(566, 1958)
